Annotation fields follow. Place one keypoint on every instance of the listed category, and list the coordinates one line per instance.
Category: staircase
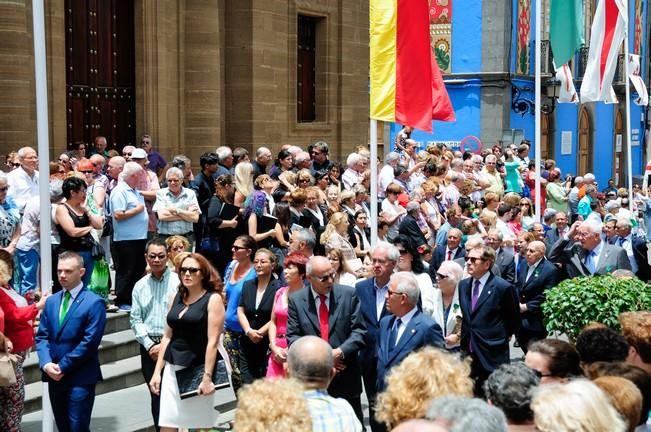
(119, 355)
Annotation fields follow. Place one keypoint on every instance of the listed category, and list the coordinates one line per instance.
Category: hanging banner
(634, 75)
(440, 30)
(568, 92)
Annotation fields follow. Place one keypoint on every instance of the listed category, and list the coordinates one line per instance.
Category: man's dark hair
(466, 155)
(465, 204)
(399, 170)
(510, 388)
(503, 209)
(601, 344)
(156, 242)
(208, 158)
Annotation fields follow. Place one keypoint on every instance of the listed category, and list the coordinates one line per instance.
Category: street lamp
(553, 88)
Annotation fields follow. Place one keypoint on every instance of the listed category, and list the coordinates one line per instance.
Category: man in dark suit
(67, 341)
(490, 316)
(407, 329)
(450, 252)
(537, 276)
(558, 232)
(409, 225)
(372, 296)
(331, 312)
(504, 259)
(636, 249)
(584, 253)
(203, 186)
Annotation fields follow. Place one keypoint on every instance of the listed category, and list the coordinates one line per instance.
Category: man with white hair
(177, 207)
(353, 174)
(386, 173)
(406, 329)
(23, 181)
(262, 159)
(409, 225)
(584, 253)
(493, 176)
(225, 155)
(302, 161)
(130, 222)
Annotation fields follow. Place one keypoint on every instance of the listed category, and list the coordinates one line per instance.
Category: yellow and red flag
(406, 84)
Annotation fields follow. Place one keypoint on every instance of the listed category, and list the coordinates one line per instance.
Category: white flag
(634, 75)
(568, 91)
(608, 30)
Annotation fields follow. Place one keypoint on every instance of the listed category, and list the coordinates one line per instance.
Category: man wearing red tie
(449, 252)
(331, 312)
(491, 314)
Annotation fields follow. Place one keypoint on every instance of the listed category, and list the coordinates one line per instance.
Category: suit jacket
(366, 294)
(346, 331)
(409, 227)
(74, 344)
(261, 315)
(551, 237)
(572, 256)
(532, 293)
(641, 258)
(505, 261)
(438, 256)
(420, 331)
(490, 325)
(439, 317)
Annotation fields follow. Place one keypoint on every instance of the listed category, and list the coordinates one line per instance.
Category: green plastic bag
(99, 280)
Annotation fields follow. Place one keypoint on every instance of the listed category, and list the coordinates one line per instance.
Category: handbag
(189, 379)
(7, 365)
(99, 279)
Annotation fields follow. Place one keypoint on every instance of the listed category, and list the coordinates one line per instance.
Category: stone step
(116, 322)
(114, 346)
(118, 375)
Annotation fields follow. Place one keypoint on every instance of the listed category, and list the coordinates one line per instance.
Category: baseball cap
(139, 154)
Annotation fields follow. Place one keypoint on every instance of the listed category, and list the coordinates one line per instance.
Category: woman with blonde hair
(578, 406)
(332, 199)
(243, 182)
(527, 213)
(343, 273)
(176, 244)
(625, 397)
(335, 236)
(488, 219)
(423, 376)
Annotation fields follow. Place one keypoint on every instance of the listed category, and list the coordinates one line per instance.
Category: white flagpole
(538, 83)
(40, 80)
(629, 153)
(373, 191)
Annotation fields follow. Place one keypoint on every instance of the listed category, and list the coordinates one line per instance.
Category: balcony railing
(582, 62)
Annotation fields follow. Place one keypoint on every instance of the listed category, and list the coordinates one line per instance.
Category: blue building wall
(565, 116)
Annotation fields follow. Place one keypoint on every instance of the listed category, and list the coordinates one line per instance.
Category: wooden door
(546, 147)
(306, 70)
(100, 72)
(584, 159)
(619, 151)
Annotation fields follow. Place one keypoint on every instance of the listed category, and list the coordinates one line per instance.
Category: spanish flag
(406, 83)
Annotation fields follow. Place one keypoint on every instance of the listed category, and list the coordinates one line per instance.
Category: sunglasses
(394, 293)
(15, 165)
(86, 172)
(191, 270)
(474, 259)
(441, 276)
(154, 256)
(402, 251)
(4, 189)
(239, 247)
(325, 277)
(126, 154)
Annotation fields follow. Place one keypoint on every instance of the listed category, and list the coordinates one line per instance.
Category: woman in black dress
(194, 323)
(254, 315)
(219, 233)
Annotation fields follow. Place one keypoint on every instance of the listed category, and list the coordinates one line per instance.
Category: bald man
(536, 276)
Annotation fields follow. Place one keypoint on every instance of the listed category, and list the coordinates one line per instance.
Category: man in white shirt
(386, 173)
(23, 181)
(353, 175)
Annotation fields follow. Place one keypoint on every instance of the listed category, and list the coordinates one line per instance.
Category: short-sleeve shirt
(166, 199)
(125, 198)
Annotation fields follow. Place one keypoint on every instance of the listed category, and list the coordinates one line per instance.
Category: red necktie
(449, 255)
(323, 318)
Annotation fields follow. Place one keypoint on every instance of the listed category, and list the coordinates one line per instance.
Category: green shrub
(574, 303)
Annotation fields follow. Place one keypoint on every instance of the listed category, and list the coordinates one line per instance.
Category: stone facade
(208, 73)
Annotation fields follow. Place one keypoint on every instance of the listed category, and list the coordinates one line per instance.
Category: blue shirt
(124, 198)
(233, 293)
(331, 414)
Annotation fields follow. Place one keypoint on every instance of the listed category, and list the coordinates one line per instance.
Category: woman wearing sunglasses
(410, 261)
(447, 312)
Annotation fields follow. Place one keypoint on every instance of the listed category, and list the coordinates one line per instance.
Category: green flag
(566, 32)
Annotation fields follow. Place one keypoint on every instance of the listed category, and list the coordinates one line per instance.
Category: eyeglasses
(86, 171)
(303, 180)
(394, 293)
(236, 247)
(325, 277)
(192, 270)
(474, 259)
(4, 189)
(441, 276)
(126, 154)
(314, 153)
(524, 204)
(154, 256)
(173, 181)
(15, 165)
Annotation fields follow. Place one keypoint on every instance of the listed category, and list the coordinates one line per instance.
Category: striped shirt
(331, 414)
(150, 304)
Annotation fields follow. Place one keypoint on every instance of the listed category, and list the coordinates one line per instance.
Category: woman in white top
(344, 275)
(335, 236)
(391, 210)
(447, 312)
(410, 261)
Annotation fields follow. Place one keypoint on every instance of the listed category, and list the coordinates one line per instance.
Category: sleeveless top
(189, 332)
(76, 244)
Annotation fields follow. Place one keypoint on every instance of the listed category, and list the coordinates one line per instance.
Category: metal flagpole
(538, 83)
(40, 79)
(373, 192)
(629, 153)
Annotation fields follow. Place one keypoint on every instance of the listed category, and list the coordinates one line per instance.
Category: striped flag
(406, 84)
(634, 75)
(608, 30)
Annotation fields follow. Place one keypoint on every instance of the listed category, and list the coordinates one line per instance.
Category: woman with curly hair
(421, 377)
(335, 236)
(194, 324)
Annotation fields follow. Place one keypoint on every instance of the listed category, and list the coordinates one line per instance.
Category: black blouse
(261, 315)
(189, 332)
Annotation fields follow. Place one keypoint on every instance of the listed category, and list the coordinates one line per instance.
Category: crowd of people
(264, 268)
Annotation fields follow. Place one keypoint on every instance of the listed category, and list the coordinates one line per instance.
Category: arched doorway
(619, 165)
(584, 159)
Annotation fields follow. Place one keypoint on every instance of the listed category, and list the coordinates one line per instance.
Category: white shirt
(532, 269)
(627, 245)
(22, 187)
(386, 177)
(482, 284)
(404, 320)
(451, 253)
(380, 297)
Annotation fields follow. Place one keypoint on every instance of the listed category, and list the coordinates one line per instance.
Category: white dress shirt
(404, 320)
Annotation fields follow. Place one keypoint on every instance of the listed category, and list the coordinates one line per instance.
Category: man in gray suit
(584, 253)
(331, 312)
(504, 259)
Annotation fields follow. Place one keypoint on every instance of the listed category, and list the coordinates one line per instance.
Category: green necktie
(64, 308)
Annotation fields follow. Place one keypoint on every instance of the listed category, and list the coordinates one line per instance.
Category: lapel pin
(413, 331)
(489, 292)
